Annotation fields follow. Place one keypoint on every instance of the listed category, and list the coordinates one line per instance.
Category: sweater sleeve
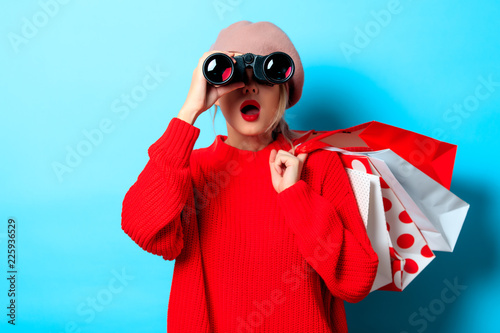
(151, 209)
(330, 232)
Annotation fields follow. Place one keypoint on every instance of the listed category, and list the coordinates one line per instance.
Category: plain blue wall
(66, 65)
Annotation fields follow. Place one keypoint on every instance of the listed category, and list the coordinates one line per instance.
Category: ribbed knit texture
(249, 259)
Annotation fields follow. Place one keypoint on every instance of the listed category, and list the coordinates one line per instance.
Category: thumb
(302, 157)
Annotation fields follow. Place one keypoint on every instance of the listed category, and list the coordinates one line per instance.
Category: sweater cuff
(174, 147)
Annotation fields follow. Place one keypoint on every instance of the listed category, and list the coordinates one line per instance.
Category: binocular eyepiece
(274, 68)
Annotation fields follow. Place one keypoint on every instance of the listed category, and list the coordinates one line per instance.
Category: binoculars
(274, 68)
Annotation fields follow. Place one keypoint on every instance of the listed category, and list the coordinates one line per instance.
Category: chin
(251, 131)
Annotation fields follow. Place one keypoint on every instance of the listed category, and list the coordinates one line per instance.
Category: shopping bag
(417, 170)
(402, 249)
(440, 225)
(439, 213)
(433, 157)
(368, 194)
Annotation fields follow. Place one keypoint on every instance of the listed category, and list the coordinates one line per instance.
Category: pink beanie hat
(262, 38)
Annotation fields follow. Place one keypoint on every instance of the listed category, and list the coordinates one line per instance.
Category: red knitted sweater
(249, 259)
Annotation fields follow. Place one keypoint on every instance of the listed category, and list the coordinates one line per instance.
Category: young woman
(264, 241)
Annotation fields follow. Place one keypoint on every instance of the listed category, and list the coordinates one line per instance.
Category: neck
(248, 142)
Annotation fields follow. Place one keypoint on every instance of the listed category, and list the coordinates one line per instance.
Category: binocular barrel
(275, 68)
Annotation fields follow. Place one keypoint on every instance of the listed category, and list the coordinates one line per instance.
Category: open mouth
(250, 107)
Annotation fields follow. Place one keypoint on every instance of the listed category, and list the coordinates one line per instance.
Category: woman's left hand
(285, 168)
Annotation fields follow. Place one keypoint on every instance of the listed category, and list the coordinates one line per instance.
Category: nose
(250, 84)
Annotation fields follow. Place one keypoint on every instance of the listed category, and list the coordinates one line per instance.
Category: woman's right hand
(202, 95)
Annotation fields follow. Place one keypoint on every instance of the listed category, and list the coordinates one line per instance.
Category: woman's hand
(285, 168)
(202, 95)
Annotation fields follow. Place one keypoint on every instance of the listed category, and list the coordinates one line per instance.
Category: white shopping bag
(366, 188)
(436, 204)
(404, 252)
(438, 213)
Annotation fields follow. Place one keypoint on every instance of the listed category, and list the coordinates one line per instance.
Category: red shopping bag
(433, 157)
(369, 144)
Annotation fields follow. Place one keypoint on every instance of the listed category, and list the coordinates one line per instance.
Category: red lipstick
(250, 109)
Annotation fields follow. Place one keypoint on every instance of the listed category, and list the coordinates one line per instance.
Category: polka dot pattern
(405, 241)
(387, 204)
(392, 253)
(396, 265)
(354, 162)
(411, 266)
(406, 254)
(357, 165)
(398, 277)
(426, 252)
(404, 217)
(408, 251)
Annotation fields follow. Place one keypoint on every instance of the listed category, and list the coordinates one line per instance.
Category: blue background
(65, 67)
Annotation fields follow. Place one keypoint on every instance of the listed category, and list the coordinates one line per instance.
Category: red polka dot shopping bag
(401, 182)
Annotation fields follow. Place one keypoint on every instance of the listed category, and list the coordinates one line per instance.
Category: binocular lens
(278, 67)
(219, 68)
